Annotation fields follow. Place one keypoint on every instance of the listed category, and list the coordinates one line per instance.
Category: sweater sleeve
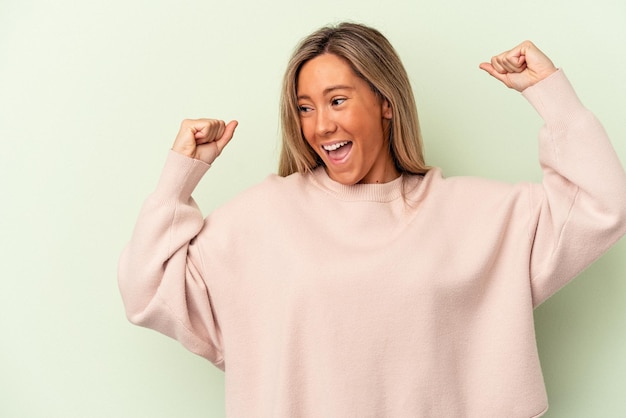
(159, 272)
(580, 206)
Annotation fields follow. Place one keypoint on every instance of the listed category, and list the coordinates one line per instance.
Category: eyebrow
(329, 90)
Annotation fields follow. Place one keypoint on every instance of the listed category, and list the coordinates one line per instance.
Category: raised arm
(580, 207)
(160, 271)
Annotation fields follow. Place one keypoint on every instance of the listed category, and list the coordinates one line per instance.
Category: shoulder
(266, 195)
(472, 192)
(273, 186)
(436, 181)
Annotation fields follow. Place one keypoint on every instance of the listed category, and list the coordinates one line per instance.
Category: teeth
(333, 147)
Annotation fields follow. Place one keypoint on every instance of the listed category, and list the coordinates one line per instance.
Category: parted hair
(372, 58)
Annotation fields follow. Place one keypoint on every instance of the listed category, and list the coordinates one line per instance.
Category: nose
(325, 123)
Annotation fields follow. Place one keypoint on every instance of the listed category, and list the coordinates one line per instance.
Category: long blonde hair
(372, 58)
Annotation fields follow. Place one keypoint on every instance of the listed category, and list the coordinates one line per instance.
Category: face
(345, 122)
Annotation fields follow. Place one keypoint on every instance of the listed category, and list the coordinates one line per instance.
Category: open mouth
(338, 151)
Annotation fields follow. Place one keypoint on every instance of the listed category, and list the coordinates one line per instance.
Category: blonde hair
(372, 58)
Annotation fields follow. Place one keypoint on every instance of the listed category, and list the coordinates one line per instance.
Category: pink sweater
(324, 300)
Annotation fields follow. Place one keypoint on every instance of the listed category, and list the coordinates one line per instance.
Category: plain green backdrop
(91, 96)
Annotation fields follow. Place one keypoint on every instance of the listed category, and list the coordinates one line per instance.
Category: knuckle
(186, 122)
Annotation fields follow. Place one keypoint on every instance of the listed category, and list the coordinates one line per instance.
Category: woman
(360, 282)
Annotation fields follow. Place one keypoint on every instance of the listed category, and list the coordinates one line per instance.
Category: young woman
(360, 282)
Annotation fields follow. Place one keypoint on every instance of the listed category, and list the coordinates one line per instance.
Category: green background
(91, 96)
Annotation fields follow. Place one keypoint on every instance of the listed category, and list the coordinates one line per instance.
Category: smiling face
(345, 122)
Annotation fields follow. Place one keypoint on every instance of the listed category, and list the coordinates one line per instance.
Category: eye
(304, 108)
(337, 101)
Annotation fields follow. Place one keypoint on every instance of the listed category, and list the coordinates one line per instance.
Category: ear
(387, 112)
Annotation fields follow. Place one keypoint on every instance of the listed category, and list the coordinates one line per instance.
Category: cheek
(307, 131)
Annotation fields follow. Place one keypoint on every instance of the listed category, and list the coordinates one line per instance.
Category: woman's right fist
(203, 139)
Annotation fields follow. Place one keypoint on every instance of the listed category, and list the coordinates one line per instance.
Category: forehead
(325, 70)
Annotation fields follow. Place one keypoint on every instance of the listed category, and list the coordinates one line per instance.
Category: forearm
(168, 221)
